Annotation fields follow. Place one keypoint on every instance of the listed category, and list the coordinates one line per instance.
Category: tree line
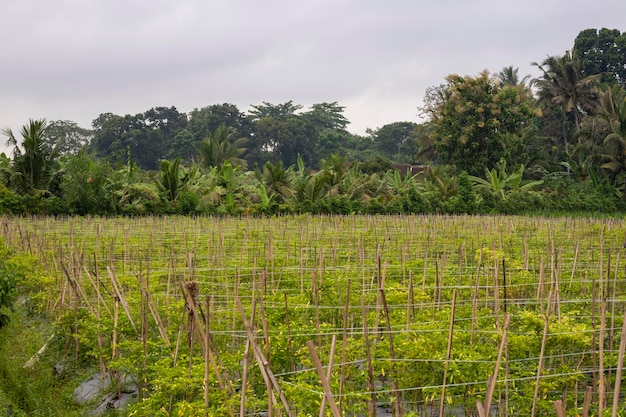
(491, 142)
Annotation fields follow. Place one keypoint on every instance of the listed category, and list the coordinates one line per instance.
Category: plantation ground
(408, 309)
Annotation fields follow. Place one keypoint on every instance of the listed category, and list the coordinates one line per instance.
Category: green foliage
(10, 277)
(476, 121)
(602, 52)
(222, 146)
(33, 164)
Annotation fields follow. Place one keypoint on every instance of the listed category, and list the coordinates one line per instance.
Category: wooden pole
(448, 351)
(329, 371)
(395, 391)
(541, 354)
(320, 372)
(483, 411)
(246, 362)
(620, 368)
(370, 370)
(265, 369)
(344, 346)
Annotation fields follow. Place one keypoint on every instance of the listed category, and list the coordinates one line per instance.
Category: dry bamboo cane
(197, 327)
(246, 363)
(410, 306)
(448, 351)
(206, 355)
(587, 402)
(484, 410)
(370, 370)
(122, 299)
(620, 368)
(344, 345)
(292, 363)
(329, 371)
(541, 355)
(601, 381)
(395, 391)
(266, 371)
(559, 406)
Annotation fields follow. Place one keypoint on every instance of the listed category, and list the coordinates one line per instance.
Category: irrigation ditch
(356, 315)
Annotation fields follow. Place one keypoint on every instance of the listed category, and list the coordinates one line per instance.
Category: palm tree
(613, 113)
(221, 146)
(173, 178)
(34, 165)
(278, 181)
(509, 77)
(562, 83)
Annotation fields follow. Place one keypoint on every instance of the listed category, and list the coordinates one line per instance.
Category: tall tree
(562, 83)
(33, 164)
(602, 52)
(149, 136)
(282, 134)
(613, 113)
(397, 141)
(67, 136)
(203, 122)
(476, 123)
(510, 76)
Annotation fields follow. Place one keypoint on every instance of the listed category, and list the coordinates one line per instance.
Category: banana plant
(500, 182)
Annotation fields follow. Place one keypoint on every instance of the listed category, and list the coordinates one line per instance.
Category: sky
(76, 59)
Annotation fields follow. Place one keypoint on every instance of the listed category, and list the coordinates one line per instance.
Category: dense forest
(491, 143)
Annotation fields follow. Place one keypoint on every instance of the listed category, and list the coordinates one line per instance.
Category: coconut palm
(613, 113)
(562, 83)
(173, 178)
(33, 164)
(509, 77)
(278, 181)
(222, 146)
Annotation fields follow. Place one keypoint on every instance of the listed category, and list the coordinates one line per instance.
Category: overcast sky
(75, 59)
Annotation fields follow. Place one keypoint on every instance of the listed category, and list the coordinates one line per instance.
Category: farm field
(355, 315)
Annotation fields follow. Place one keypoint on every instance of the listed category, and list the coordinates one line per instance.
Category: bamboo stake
(289, 339)
(395, 391)
(410, 305)
(329, 371)
(541, 355)
(266, 371)
(448, 351)
(246, 363)
(370, 370)
(484, 411)
(197, 327)
(559, 406)
(344, 346)
(587, 403)
(601, 381)
(154, 311)
(620, 368)
(118, 293)
(206, 355)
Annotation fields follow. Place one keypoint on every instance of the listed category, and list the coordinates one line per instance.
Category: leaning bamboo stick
(266, 371)
(118, 293)
(395, 391)
(483, 410)
(559, 407)
(620, 368)
(370, 370)
(202, 336)
(448, 351)
(329, 371)
(541, 356)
